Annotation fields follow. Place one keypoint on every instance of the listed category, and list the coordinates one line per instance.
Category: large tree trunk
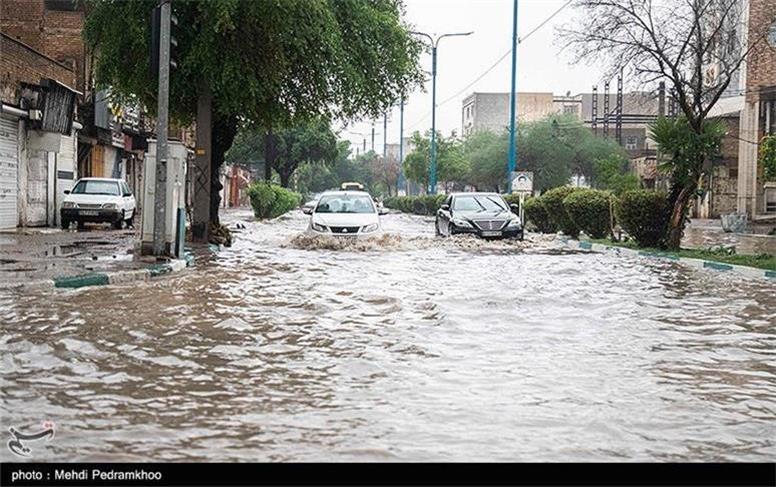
(678, 200)
(285, 178)
(224, 131)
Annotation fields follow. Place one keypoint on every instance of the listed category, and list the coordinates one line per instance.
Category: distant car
(345, 214)
(352, 186)
(484, 214)
(99, 200)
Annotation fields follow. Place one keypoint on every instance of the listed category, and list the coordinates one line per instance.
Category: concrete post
(160, 190)
(201, 214)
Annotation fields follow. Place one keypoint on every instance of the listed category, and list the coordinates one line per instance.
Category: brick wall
(19, 63)
(761, 65)
(54, 33)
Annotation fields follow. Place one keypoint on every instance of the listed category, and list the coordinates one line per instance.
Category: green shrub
(419, 205)
(536, 213)
(556, 211)
(643, 215)
(589, 209)
(272, 200)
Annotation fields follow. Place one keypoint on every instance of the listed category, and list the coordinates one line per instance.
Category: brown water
(409, 349)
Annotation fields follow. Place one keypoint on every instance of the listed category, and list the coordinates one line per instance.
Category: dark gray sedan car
(484, 214)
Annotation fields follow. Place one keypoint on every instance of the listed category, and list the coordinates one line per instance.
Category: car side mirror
(445, 207)
(515, 208)
(67, 191)
(307, 210)
(127, 194)
(382, 211)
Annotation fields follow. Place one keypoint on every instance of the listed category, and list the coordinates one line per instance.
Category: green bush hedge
(536, 213)
(419, 205)
(552, 201)
(271, 200)
(589, 209)
(643, 214)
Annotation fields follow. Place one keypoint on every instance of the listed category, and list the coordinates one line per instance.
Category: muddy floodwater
(413, 348)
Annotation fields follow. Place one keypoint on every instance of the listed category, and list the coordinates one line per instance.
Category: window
(61, 5)
(93, 186)
(631, 142)
(345, 203)
(569, 110)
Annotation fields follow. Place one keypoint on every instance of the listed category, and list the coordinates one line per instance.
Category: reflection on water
(284, 348)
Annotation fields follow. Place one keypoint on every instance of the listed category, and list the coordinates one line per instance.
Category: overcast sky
(462, 59)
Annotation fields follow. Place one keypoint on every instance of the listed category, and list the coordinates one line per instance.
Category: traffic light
(155, 41)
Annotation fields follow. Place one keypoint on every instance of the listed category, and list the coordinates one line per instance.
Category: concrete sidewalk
(73, 258)
(708, 234)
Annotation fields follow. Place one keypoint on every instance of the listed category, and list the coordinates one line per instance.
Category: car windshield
(97, 187)
(479, 203)
(345, 203)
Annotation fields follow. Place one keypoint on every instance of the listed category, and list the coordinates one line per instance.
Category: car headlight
(320, 228)
(514, 222)
(461, 223)
(109, 206)
(370, 228)
(69, 204)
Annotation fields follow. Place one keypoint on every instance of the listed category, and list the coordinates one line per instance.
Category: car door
(129, 200)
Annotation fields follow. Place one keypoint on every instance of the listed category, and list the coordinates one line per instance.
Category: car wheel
(520, 236)
(436, 228)
(119, 223)
(449, 229)
(131, 220)
(65, 224)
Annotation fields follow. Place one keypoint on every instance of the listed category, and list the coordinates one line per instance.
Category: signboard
(522, 182)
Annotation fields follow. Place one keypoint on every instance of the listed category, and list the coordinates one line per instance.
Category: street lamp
(434, 44)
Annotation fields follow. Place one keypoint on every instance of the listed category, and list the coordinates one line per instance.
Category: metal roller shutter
(9, 167)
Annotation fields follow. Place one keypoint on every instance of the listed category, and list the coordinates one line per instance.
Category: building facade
(756, 197)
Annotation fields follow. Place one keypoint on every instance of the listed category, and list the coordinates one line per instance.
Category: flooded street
(284, 348)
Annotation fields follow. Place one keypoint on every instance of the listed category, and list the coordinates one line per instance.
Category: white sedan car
(99, 200)
(345, 214)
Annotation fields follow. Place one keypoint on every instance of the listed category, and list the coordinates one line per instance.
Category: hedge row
(419, 205)
(271, 200)
(641, 213)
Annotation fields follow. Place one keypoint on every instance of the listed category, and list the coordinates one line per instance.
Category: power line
(494, 65)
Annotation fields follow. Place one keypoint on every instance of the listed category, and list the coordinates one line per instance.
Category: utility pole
(162, 124)
(385, 135)
(434, 43)
(512, 102)
(594, 112)
(618, 126)
(373, 136)
(661, 99)
(606, 109)
(401, 143)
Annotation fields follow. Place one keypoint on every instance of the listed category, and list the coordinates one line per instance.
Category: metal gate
(9, 168)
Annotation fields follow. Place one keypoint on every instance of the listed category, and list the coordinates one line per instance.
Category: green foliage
(612, 173)
(537, 214)
(687, 148)
(486, 152)
(552, 201)
(768, 157)
(451, 163)
(271, 63)
(557, 147)
(419, 205)
(590, 211)
(270, 200)
(643, 215)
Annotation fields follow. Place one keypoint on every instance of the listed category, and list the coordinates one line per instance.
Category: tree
(486, 152)
(267, 64)
(385, 174)
(611, 173)
(693, 44)
(451, 164)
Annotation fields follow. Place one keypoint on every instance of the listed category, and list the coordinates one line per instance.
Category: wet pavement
(408, 348)
(45, 253)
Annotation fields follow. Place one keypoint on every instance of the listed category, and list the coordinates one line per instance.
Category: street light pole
(512, 102)
(432, 177)
(401, 142)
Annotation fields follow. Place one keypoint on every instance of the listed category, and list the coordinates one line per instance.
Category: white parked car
(345, 214)
(99, 200)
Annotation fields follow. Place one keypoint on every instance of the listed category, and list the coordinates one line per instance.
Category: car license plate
(88, 213)
(491, 234)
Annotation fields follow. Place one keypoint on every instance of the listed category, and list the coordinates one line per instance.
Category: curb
(106, 278)
(690, 262)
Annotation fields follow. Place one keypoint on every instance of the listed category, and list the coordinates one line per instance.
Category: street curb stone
(106, 278)
(701, 264)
